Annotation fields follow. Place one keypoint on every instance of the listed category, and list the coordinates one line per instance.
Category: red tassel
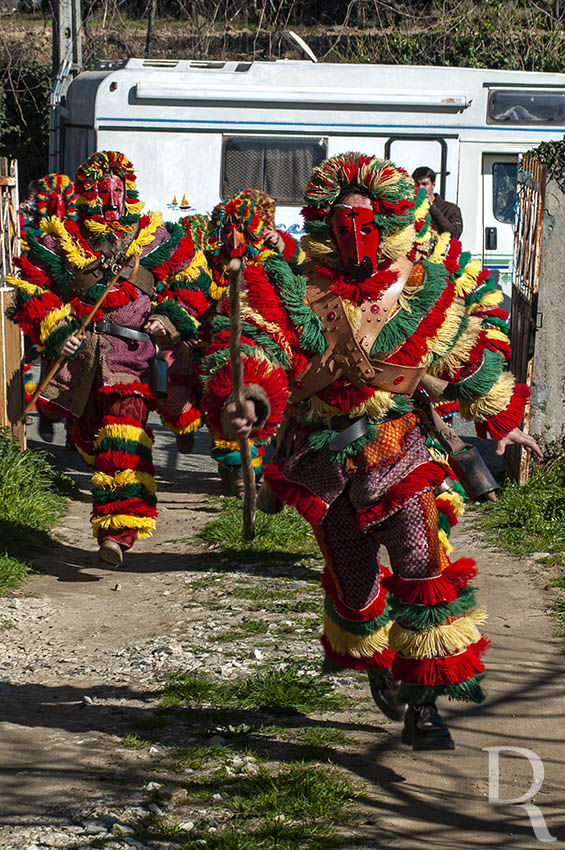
(450, 670)
(132, 507)
(424, 477)
(416, 346)
(348, 662)
(111, 462)
(375, 609)
(502, 423)
(444, 587)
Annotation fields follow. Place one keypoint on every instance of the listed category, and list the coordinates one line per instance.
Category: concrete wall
(548, 392)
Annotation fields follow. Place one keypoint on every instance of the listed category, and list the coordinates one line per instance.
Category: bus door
(438, 153)
(499, 173)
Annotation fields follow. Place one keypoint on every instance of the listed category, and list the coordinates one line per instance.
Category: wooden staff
(235, 279)
(85, 323)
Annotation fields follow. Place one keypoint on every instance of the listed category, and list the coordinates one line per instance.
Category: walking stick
(235, 276)
(84, 324)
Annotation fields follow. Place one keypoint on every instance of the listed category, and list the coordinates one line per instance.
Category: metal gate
(11, 351)
(525, 287)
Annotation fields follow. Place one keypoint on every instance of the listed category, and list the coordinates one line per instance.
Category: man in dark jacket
(446, 217)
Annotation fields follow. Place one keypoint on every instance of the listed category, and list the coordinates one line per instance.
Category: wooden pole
(235, 278)
(84, 324)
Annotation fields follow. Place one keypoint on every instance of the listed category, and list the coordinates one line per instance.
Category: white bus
(198, 131)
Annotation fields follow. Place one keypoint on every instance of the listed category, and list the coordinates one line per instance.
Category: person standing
(446, 217)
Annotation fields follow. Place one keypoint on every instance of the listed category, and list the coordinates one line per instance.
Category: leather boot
(425, 730)
(110, 554)
(384, 690)
(185, 443)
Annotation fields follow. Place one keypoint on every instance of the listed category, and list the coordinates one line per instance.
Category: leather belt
(348, 432)
(104, 327)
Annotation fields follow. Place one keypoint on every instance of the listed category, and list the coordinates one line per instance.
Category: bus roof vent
(207, 65)
(110, 64)
(243, 66)
(160, 63)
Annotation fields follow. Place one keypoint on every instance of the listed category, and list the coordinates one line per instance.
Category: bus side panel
(171, 166)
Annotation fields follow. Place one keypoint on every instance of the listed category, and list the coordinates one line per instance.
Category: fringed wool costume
(253, 213)
(106, 384)
(377, 489)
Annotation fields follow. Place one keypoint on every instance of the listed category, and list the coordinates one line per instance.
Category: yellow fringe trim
(468, 280)
(422, 211)
(73, 252)
(489, 405)
(123, 477)
(257, 461)
(232, 445)
(491, 299)
(439, 641)
(247, 312)
(455, 500)
(345, 643)
(375, 407)
(145, 526)
(133, 209)
(197, 265)
(320, 249)
(145, 235)
(85, 202)
(124, 432)
(353, 313)
(185, 429)
(399, 244)
(444, 541)
(495, 333)
(24, 285)
(454, 359)
(441, 247)
(55, 318)
(443, 340)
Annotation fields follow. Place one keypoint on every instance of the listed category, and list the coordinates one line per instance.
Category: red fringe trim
(445, 507)
(379, 659)
(345, 396)
(416, 346)
(444, 587)
(502, 423)
(290, 249)
(112, 461)
(425, 477)
(187, 417)
(375, 609)
(308, 505)
(132, 507)
(263, 298)
(450, 670)
(32, 273)
(135, 388)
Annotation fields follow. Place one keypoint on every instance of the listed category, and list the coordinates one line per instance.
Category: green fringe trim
(464, 258)
(55, 264)
(165, 250)
(54, 342)
(128, 491)
(426, 616)
(357, 627)
(199, 284)
(118, 444)
(404, 324)
(229, 457)
(482, 382)
(179, 317)
(260, 337)
(219, 358)
(478, 294)
(468, 691)
(292, 291)
(495, 322)
(443, 524)
(330, 668)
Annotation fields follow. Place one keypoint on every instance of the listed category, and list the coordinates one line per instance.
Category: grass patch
(255, 627)
(134, 742)
(530, 518)
(12, 573)
(276, 691)
(556, 581)
(285, 532)
(32, 499)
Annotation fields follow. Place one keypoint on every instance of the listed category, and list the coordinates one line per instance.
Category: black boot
(384, 690)
(45, 428)
(425, 730)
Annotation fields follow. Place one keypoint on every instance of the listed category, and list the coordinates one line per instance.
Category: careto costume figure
(338, 351)
(105, 383)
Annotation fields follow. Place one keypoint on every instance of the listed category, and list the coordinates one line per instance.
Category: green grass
(32, 499)
(275, 691)
(285, 532)
(530, 518)
(255, 627)
(556, 581)
(134, 742)
(12, 573)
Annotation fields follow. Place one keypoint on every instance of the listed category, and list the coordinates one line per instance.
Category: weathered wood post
(11, 346)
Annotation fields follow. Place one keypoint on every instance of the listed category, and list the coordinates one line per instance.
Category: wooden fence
(11, 349)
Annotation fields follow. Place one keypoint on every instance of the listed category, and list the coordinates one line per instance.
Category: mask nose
(238, 243)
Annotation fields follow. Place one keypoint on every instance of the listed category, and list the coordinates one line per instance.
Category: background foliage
(510, 34)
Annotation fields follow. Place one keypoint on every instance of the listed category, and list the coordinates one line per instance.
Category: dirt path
(83, 652)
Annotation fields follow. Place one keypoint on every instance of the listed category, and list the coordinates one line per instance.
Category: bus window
(526, 107)
(504, 193)
(279, 167)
